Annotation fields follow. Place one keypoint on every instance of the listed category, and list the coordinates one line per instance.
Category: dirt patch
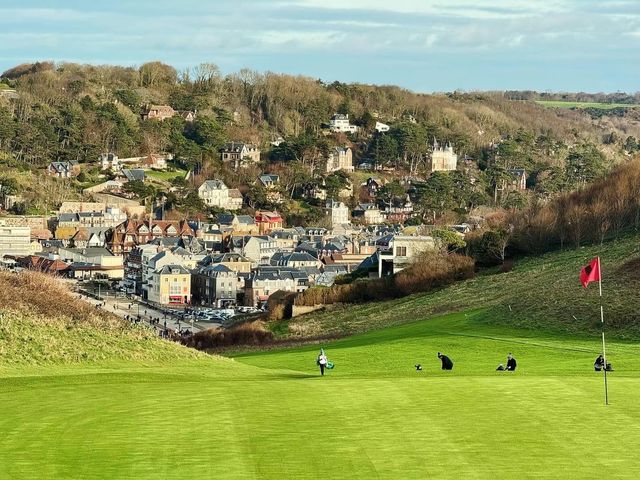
(630, 269)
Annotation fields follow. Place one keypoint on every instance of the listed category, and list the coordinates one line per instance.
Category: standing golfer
(321, 361)
(447, 364)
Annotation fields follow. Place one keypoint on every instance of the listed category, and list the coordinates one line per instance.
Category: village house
(443, 159)
(373, 185)
(257, 248)
(170, 285)
(235, 262)
(402, 251)
(368, 213)
(239, 154)
(97, 262)
(271, 184)
(268, 221)
(215, 285)
(214, 193)
(262, 283)
(63, 169)
(157, 112)
(15, 241)
(287, 238)
(397, 209)
(238, 224)
(338, 212)
(50, 264)
(88, 237)
(155, 161)
(109, 161)
(133, 174)
(340, 123)
(340, 158)
(131, 233)
(295, 260)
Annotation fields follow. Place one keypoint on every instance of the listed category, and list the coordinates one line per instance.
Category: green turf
(600, 106)
(270, 416)
(165, 175)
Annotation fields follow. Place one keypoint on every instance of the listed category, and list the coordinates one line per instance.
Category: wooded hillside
(76, 112)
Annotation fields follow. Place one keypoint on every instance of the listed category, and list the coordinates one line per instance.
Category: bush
(430, 271)
(252, 333)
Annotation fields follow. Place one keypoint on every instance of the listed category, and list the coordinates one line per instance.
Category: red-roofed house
(268, 221)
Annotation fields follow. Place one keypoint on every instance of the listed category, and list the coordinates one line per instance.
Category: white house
(402, 252)
(214, 193)
(382, 127)
(339, 213)
(340, 123)
(109, 161)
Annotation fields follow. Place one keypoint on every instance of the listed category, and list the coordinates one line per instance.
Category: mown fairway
(270, 415)
(568, 104)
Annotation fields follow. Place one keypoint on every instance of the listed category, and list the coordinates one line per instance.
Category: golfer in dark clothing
(511, 363)
(598, 365)
(447, 364)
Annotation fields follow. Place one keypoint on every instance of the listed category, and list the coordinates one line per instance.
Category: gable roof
(213, 185)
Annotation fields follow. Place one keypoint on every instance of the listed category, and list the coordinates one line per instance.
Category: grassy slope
(373, 416)
(540, 293)
(43, 323)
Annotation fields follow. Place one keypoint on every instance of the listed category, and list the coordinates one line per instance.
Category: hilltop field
(156, 410)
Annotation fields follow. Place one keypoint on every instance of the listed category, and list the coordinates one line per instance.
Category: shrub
(252, 333)
(430, 271)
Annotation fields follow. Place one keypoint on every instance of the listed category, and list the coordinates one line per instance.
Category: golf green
(269, 415)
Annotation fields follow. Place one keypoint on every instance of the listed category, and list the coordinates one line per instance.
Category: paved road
(133, 309)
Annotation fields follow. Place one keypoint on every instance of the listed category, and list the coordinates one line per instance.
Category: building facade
(340, 158)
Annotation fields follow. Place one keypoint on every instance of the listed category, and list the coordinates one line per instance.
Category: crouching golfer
(321, 361)
(511, 364)
(447, 364)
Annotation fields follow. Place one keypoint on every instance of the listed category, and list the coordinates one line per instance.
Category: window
(401, 251)
(175, 288)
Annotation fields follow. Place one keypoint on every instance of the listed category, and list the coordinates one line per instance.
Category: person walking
(321, 361)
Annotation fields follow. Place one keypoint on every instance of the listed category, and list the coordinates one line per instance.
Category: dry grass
(43, 322)
(48, 296)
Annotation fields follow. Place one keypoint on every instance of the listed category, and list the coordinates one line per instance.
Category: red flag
(590, 273)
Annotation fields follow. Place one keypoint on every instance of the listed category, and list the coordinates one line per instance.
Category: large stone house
(215, 285)
(239, 153)
(443, 159)
(214, 193)
(340, 158)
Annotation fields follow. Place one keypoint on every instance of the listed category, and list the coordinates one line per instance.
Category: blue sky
(424, 45)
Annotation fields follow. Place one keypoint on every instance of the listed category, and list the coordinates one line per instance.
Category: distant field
(601, 106)
(271, 416)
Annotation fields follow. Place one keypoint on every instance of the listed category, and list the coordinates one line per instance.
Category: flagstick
(604, 351)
